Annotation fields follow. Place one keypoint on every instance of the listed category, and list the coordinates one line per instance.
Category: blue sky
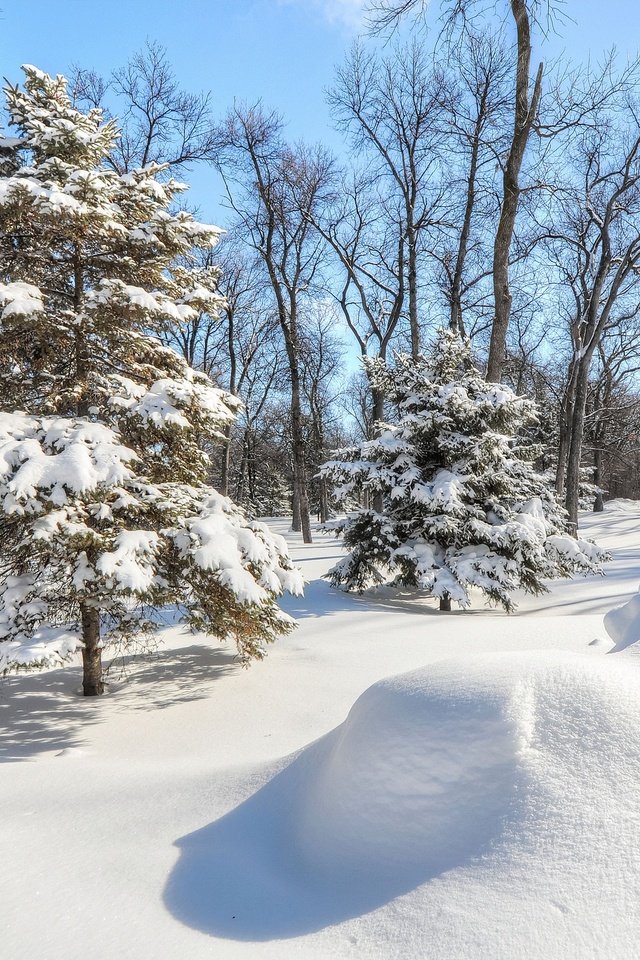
(282, 51)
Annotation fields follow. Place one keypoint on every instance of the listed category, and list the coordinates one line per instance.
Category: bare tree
(475, 105)
(613, 407)
(367, 238)
(391, 107)
(160, 122)
(526, 98)
(595, 242)
(275, 191)
(322, 353)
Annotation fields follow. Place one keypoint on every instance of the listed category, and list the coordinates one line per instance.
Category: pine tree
(105, 511)
(463, 506)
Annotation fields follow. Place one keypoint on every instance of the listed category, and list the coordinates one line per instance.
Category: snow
(57, 455)
(20, 299)
(390, 783)
(164, 401)
(131, 562)
(623, 625)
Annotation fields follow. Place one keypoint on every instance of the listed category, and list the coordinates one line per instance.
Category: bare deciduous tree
(595, 240)
(160, 122)
(526, 98)
(391, 107)
(275, 191)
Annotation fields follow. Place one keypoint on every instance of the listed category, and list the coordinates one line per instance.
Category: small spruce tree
(463, 506)
(105, 511)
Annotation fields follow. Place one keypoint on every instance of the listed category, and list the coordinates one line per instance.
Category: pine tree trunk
(445, 603)
(92, 683)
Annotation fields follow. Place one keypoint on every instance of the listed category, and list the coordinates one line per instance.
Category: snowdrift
(623, 626)
(512, 777)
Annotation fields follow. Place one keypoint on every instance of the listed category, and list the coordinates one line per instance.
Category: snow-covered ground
(316, 805)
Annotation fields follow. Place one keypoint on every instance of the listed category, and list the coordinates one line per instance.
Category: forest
(476, 190)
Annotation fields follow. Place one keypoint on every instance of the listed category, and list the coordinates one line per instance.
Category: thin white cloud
(349, 13)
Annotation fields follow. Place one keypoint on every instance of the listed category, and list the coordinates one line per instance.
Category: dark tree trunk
(378, 413)
(564, 435)
(296, 520)
(92, 683)
(377, 409)
(598, 504)
(224, 463)
(456, 322)
(575, 446)
(297, 431)
(412, 283)
(324, 501)
(445, 603)
(244, 464)
(525, 112)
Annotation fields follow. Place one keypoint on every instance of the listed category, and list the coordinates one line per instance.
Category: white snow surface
(390, 783)
(623, 626)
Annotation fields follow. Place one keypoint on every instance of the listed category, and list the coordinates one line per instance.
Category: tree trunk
(296, 520)
(92, 683)
(525, 113)
(456, 322)
(575, 446)
(445, 603)
(324, 501)
(378, 412)
(598, 505)
(244, 464)
(224, 464)
(297, 431)
(564, 438)
(412, 280)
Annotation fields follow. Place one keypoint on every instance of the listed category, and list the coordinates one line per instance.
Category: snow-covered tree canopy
(105, 509)
(463, 506)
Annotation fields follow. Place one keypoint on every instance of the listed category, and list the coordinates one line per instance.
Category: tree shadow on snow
(244, 877)
(321, 600)
(46, 712)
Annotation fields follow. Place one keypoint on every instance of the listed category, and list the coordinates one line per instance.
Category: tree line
(477, 190)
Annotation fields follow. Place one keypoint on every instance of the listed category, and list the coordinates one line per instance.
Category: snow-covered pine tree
(105, 511)
(463, 506)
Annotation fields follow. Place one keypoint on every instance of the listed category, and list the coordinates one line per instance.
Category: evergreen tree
(105, 512)
(463, 506)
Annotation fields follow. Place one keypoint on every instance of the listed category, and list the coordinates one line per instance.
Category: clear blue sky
(282, 51)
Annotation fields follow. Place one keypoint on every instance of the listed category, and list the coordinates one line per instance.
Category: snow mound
(420, 773)
(511, 777)
(623, 625)
(622, 505)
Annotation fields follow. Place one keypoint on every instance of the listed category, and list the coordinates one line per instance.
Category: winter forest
(374, 436)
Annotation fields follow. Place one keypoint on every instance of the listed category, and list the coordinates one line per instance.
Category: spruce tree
(105, 510)
(463, 506)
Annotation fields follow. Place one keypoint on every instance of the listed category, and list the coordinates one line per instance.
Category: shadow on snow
(46, 712)
(244, 876)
